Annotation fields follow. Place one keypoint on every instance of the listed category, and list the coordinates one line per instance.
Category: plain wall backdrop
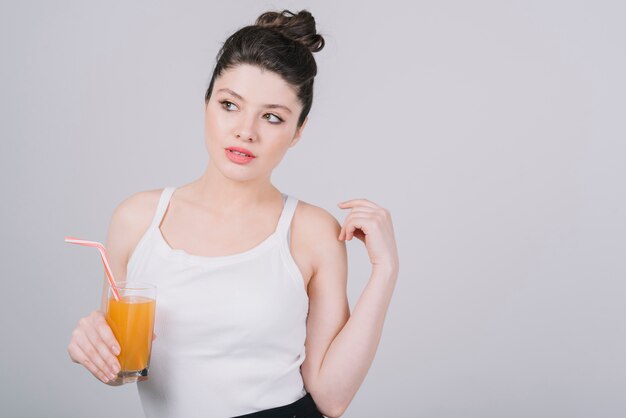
(493, 131)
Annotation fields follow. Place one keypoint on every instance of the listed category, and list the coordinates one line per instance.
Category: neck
(218, 192)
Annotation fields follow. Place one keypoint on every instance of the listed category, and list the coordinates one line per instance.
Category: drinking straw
(105, 261)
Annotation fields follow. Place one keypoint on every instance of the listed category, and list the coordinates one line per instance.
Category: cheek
(280, 144)
(214, 125)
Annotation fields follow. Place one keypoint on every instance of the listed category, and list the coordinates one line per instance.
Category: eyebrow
(271, 106)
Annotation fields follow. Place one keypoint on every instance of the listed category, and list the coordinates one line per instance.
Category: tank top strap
(284, 222)
(164, 201)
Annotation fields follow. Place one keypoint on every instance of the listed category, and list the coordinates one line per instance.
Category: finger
(367, 215)
(357, 202)
(364, 210)
(82, 359)
(360, 211)
(106, 334)
(377, 215)
(73, 348)
(106, 360)
(91, 359)
(355, 223)
(344, 233)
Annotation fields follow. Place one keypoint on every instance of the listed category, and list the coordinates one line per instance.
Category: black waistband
(303, 408)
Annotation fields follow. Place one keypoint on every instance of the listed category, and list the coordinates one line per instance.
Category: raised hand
(371, 224)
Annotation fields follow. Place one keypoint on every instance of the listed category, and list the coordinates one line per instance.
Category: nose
(246, 130)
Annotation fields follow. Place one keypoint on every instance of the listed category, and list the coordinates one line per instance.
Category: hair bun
(299, 27)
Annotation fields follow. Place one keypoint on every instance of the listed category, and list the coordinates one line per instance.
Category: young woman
(252, 314)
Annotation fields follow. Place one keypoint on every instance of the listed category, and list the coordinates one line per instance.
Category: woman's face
(250, 122)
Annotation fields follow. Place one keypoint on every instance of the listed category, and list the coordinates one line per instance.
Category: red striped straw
(105, 261)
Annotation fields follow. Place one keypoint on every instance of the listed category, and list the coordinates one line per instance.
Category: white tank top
(230, 330)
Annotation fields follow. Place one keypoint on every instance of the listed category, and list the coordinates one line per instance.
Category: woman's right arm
(92, 343)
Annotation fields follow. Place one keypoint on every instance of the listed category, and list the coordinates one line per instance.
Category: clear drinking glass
(132, 321)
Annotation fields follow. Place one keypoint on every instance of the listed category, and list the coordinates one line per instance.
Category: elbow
(330, 408)
(336, 412)
(331, 400)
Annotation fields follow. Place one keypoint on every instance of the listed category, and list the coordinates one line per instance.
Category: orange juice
(132, 319)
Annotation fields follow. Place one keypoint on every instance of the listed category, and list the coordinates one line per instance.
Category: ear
(298, 134)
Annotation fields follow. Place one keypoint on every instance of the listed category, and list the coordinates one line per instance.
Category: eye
(272, 118)
(229, 106)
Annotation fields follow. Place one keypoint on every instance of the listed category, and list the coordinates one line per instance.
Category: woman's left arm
(340, 346)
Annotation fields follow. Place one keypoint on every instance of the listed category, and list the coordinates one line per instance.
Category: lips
(239, 155)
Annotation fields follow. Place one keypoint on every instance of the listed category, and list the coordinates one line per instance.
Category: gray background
(493, 131)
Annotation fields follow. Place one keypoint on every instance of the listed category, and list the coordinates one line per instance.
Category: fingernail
(105, 379)
(116, 350)
(115, 370)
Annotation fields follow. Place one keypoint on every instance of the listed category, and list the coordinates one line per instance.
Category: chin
(238, 173)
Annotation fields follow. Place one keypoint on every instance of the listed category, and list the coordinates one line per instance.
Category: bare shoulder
(130, 219)
(137, 210)
(315, 240)
(314, 221)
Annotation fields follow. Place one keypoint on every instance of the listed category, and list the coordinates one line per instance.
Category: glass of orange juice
(132, 321)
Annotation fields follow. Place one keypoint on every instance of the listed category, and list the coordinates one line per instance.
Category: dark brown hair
(281, 42)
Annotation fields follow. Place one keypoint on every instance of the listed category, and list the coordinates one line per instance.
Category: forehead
(257, 85)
